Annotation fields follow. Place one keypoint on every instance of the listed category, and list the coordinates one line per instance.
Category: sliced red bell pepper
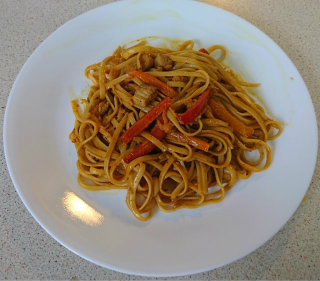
(146, 146)
(146, 120)
(153, 81)
(203, 50)
(197, 108)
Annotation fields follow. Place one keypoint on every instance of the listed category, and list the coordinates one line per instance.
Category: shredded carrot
(153, 81)
(222, 113)
(196, 142)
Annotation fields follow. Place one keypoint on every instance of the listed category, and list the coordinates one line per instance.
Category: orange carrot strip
(196, 142)
(153, 81)
(220, 111)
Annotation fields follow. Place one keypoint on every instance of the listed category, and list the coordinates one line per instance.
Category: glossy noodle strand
(169, 162)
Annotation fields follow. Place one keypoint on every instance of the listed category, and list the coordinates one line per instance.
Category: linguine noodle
(188, 164)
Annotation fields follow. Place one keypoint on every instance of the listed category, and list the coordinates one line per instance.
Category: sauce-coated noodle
(192, 150)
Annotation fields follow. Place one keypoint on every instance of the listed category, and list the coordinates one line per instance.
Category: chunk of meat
(130, 88)
(146, 61)
(130, 67)
(163, 61)
(144, 94)
(113, 73)
(146, 109)
(73, 137)
(102, 107)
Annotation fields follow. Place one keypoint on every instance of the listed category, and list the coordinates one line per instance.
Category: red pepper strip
(197, 108)
(196, 142)
(146, 120)
(153, 81)
(146, 146)
(203, 50)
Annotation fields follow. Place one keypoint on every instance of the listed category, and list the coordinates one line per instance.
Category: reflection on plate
(98, 226)
(79, 209)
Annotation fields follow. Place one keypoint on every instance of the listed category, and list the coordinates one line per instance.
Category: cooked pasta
(174, 127)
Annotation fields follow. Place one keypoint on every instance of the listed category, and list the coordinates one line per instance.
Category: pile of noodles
(174, 175)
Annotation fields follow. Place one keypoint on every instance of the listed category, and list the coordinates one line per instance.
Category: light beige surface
(27, 251)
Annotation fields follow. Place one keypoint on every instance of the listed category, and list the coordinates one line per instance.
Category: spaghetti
(173, 127)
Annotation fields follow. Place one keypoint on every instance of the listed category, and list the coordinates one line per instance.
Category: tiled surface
(28, 252)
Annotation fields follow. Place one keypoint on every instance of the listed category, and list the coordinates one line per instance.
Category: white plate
(98, 226)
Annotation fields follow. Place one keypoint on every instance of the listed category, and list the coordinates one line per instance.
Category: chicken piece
(163, 61)
(146, 109)
(144, 94)
(130, 88)
(146, 61)
(73, 137)
(102, 107)
(130, 67)
(114, 73)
